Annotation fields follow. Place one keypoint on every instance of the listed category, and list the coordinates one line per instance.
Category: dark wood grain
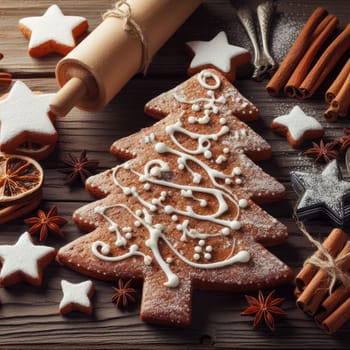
(29, 316)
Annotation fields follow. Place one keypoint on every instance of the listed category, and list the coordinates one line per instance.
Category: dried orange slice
(20, 176)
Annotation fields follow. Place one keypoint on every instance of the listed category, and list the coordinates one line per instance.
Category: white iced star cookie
(76, 297)
(24, 261)
(297, 127)
(25, 117)
(52, 32)
(217, 53)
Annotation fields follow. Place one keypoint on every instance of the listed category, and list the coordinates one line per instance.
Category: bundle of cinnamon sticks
(323, 290)
(311, 59)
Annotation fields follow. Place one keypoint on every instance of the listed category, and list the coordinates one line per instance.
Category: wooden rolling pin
(94, 72)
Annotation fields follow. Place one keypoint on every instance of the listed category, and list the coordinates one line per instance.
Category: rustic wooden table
(29, 316)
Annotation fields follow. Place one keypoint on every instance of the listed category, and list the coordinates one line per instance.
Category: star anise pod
(78, 168)
(45, 223)
(264, 309)
(344, 141)
(323, 152)
(124, 294)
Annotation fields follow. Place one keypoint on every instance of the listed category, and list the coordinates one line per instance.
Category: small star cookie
(52, 32)
(324, 192)
(217, 53)
(24, 261)
(297, 127)
(25, 117)
(76, 296)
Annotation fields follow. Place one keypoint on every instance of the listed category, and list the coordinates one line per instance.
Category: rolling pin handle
(68, 96)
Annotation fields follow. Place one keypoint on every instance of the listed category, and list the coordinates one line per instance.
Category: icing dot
(203, 203)
(163, 193)
(197, 249)
(113, 227)
(238, 181)
(181, 167)
(207, 256)
(138, 212)
(210, 93)
(128, 235)
(137, 223)
(179, 226)
(155, 201)
(237, 170)
(243, 203)
(127, 191)
(195, 107)
(209, 248)
(160, 147)
(105, 249)
(153, 208)
(147, 186)
(168, 209)
(174, 218)
(228, 181)
(235, 225)
(155, 171)
(222, 121)
(169, 260)
(225, 231)
(207, 154)
(226, 150)
(201, 242)
(196, 256)
(192, 120)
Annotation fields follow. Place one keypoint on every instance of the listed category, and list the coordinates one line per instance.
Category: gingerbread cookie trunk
(52, 32)
(217, 53)
(25, 118)
(175, 218)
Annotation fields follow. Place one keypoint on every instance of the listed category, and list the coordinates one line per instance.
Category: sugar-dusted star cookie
(297, 127)
(25, 118)
(24, 261)
(324, 192)
(76, 297)
(217, 53)
(52, 32)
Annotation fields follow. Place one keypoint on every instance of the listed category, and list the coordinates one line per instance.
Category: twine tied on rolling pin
(131, 26)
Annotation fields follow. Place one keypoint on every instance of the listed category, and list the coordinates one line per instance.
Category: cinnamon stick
(334, 89)
(325, 63)
(329, 24)
(335, 320)
(331, 303)
(333, 244)
(315, 292)
(294, 55)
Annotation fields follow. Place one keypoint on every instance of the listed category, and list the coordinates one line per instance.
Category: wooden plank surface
(29, 316)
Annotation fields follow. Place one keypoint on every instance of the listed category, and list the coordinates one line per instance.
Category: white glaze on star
(217, 52)
(23, 257)
(22, 113)
(53, 25)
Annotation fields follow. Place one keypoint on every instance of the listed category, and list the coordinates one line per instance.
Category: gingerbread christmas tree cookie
(179, 217)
